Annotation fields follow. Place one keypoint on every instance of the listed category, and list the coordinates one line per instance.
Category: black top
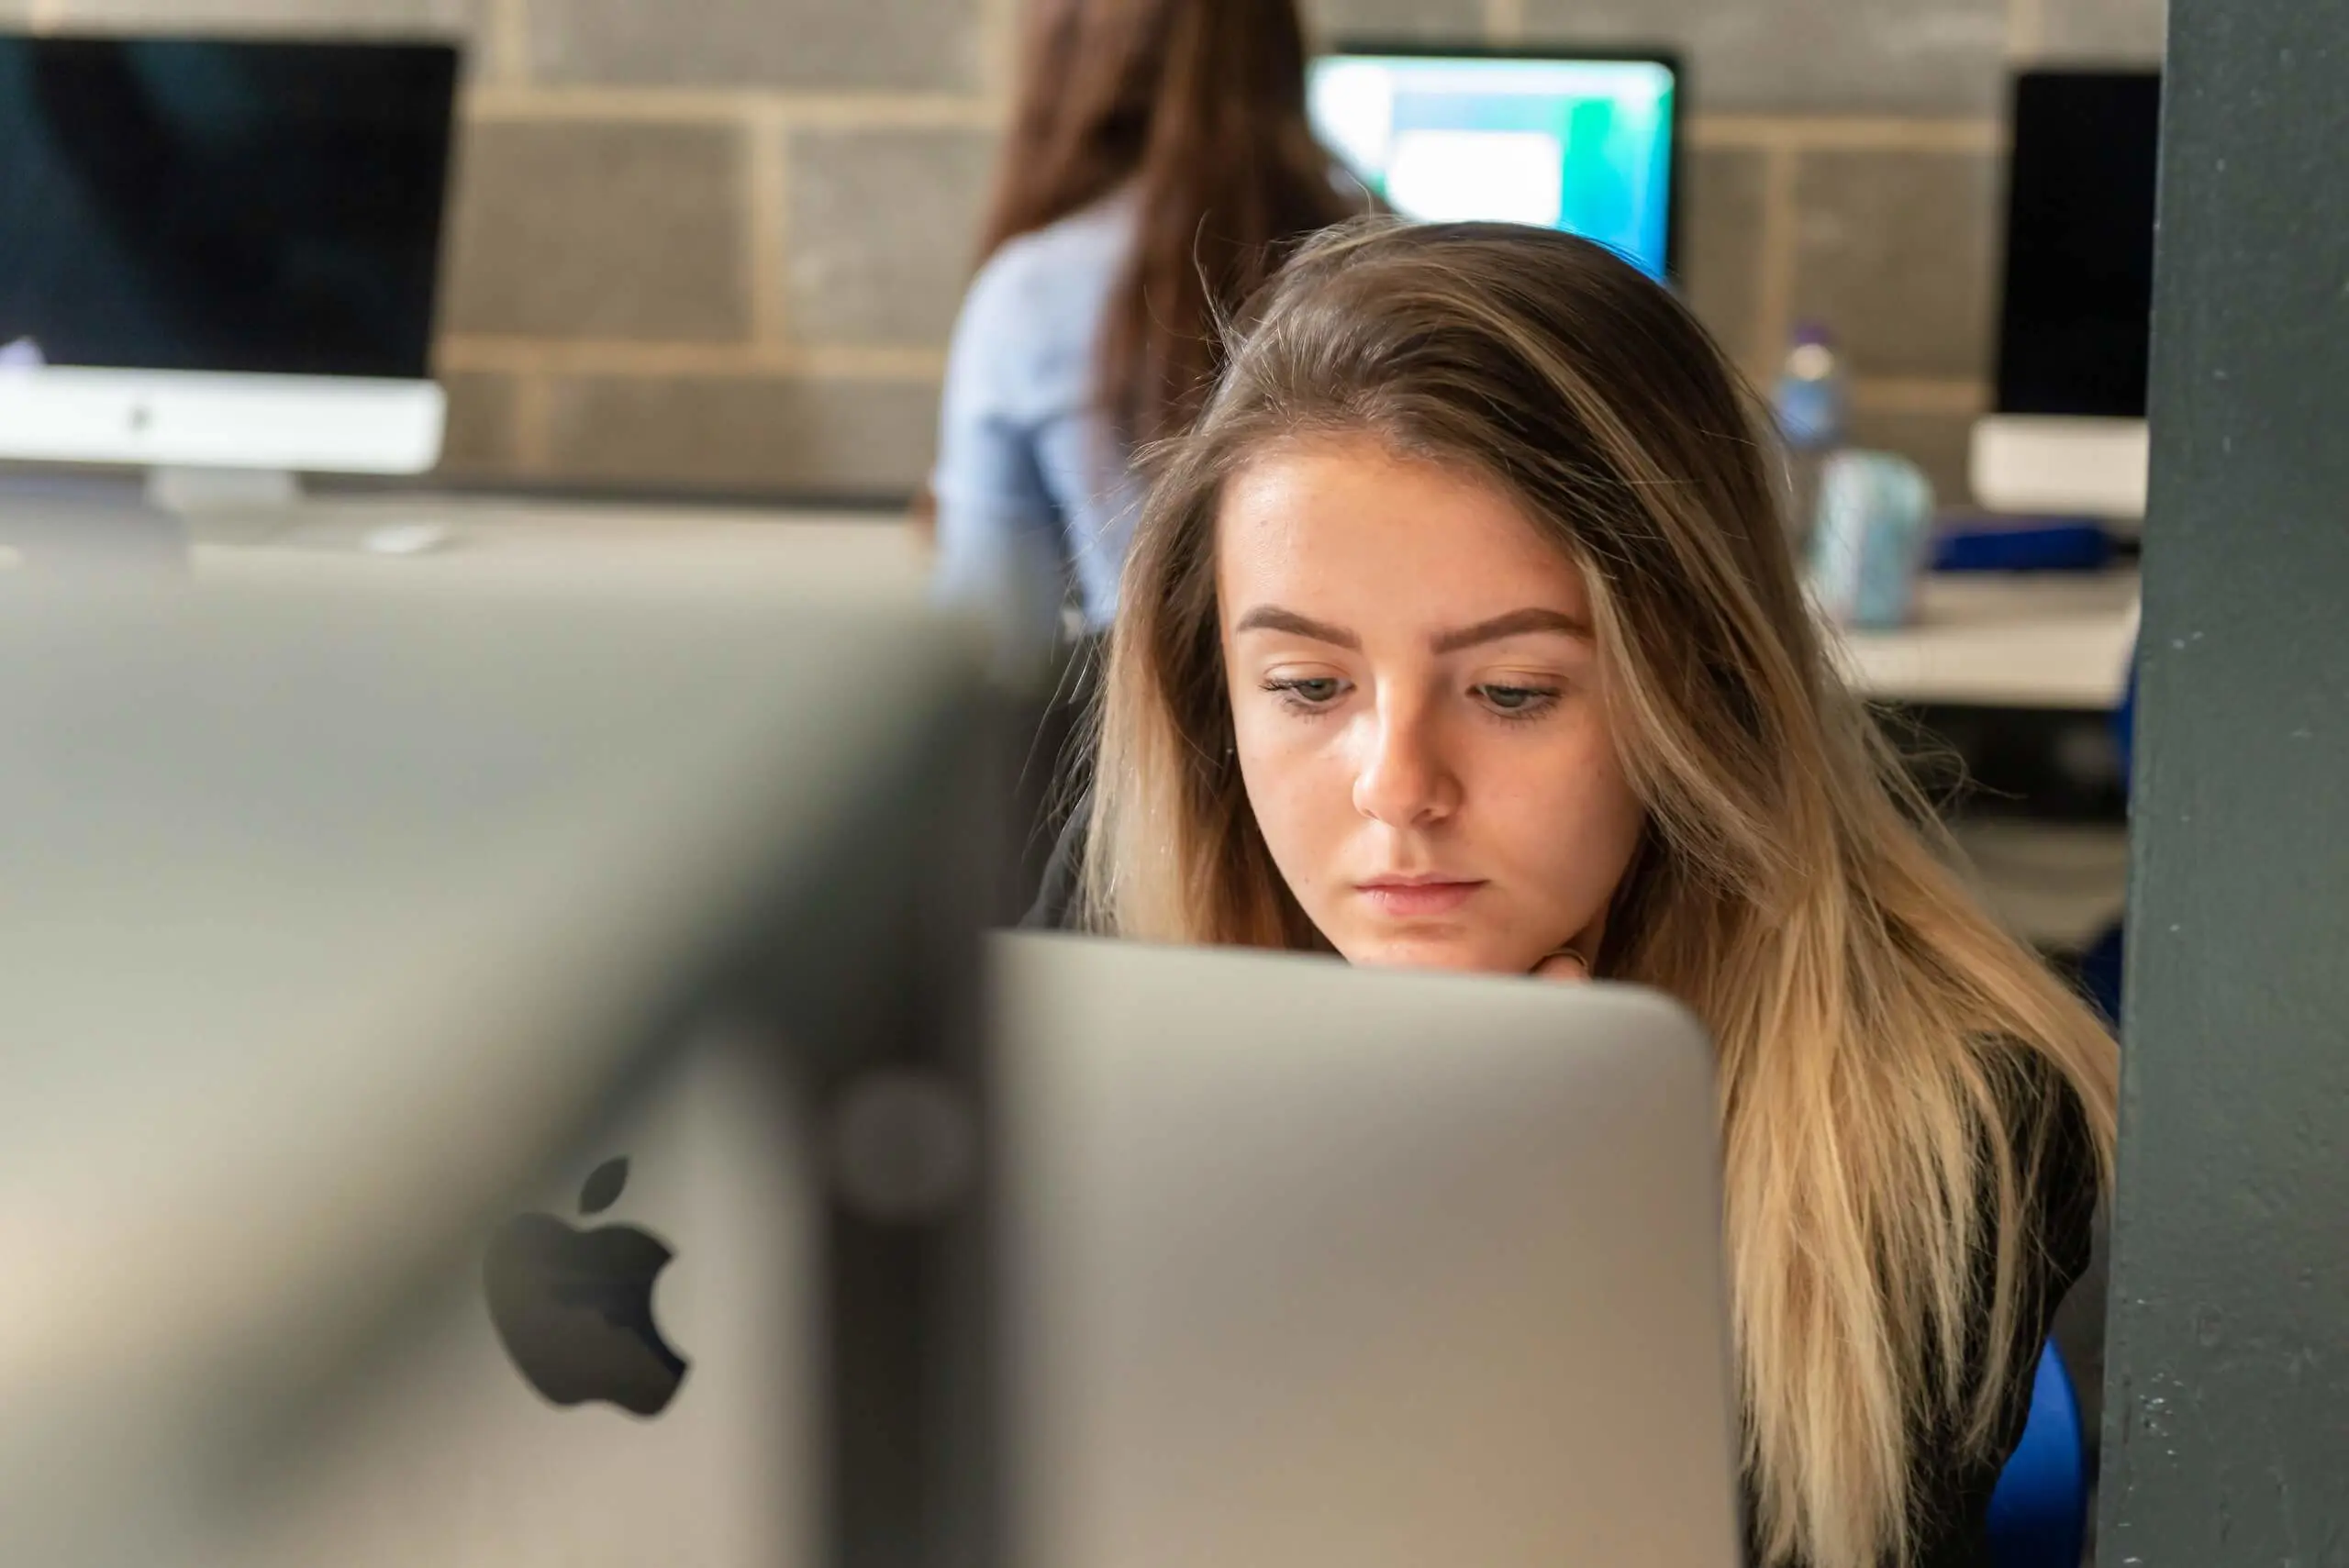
(1951, 1491)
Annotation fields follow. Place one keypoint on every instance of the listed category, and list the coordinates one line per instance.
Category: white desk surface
(513, 542)
(2053, 641)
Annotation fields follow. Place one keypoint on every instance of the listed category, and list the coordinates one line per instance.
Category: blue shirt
(1034, 495)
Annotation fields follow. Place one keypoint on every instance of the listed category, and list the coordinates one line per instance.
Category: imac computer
(495, 1079)
(218, 256)
(2069, 435)
(1583, 142)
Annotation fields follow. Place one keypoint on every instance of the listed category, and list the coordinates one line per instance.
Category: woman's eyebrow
(1272, 618)
(1517, 623)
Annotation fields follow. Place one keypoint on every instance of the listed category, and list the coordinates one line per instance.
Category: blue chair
(2039, 1515)
(2100, 974)
(2100, 965)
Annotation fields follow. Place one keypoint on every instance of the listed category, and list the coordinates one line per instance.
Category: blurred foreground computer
(1586, 142)
(493, 1081)
(219, 257)
(2069, 436)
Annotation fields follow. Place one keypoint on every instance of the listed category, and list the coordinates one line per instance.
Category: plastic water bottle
(1811, 408)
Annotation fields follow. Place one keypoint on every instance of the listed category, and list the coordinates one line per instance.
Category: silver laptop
(1318, 1266)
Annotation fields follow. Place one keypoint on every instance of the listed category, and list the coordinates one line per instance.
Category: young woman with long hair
(1463, 632)
(1158, 168)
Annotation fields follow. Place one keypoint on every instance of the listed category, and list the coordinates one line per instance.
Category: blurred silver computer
(1311, 1264)
(2067, 434)
(492, 1079)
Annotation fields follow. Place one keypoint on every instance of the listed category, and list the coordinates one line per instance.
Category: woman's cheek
(1294, 816)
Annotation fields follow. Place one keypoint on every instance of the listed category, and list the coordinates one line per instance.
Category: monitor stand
(221, 489)
(53, 517)
(179, 491)
(81, 522)
(226, 504)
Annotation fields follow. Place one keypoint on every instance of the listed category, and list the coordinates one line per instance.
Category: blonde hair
(1879, 1037)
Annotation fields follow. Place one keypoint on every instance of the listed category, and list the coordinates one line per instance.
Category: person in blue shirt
(1158, 168)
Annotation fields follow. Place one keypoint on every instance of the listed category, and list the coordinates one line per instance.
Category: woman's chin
(1460, 952)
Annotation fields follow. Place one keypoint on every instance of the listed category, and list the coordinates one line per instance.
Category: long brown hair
(1198, 106)
(1884, 1048)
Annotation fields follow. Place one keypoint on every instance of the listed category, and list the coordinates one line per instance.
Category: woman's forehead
(1351, 526)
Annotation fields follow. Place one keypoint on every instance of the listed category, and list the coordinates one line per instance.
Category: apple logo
(573, 1308)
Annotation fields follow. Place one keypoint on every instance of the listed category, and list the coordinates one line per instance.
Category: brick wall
(719, 243)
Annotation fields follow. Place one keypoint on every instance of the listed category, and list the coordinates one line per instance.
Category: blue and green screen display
(1582, 145)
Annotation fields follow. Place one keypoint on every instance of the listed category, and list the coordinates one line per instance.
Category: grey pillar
(2227, 1390)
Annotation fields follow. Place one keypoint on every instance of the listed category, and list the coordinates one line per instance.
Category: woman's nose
(1403, 779)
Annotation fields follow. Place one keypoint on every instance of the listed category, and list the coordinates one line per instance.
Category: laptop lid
(1315, 1264)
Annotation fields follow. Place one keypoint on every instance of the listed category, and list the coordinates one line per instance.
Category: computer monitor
(222, 254)
(1583, 142)
(2069, 433)
(493, 1077)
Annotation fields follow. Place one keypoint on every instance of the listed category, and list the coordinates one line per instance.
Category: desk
(2060, 640)
(512, 542)
(2057, 644)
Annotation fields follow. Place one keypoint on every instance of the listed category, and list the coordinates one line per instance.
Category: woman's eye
(1518, 702)
(1312, 691)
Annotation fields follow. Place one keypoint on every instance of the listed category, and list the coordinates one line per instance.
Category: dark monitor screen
(2075, 332)
(222, 206)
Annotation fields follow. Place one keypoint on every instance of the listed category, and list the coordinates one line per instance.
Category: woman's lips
(1418, 899)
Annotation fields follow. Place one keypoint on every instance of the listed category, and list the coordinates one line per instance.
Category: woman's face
(1415, 700)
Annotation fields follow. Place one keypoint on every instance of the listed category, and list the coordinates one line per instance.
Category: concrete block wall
(717, 244)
